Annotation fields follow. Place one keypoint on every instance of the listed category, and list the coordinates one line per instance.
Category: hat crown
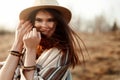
(45, 2)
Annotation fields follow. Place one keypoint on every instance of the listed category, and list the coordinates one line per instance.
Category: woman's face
(45, 23)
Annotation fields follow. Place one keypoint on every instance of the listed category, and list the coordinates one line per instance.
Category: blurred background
(96, 21)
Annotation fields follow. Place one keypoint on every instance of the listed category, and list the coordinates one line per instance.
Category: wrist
(17, 46)
(16, 53)
(30, 57)
(29, 50)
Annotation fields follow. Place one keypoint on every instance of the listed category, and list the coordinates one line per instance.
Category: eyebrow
(38, 19)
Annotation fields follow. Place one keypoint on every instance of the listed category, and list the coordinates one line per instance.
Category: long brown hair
(64, 37)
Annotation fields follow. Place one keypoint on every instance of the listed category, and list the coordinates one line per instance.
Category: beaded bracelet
(15, 53)
(28, 68)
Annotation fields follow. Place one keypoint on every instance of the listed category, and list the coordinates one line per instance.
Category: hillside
(103, 62)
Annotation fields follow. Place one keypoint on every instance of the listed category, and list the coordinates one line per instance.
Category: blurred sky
(86, 9)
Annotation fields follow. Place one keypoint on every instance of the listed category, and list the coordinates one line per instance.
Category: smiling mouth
(42, 29)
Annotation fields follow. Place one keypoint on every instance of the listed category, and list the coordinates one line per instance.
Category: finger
(39, 35)
(27, 35)
(20, 24)
(24, 37)
(34, 32)
(30, 34)
(26, 24)
(28, 29)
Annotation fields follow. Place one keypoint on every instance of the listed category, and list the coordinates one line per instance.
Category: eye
(38, 19)
(51, 20)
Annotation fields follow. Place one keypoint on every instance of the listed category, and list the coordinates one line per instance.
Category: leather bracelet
(15, 53)
(28, 68)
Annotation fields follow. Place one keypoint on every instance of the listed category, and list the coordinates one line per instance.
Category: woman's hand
(11, 62)
(23, 28)
(32, 39)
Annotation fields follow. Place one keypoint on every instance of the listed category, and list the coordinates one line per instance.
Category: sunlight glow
(85, 9)
(10, 10)
(89, 9)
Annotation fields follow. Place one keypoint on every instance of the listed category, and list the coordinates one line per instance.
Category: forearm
(10, 65)
(7, 71)
(30, 60)
(31, 40)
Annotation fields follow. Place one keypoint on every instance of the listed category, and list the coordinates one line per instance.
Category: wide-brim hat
(43, 4)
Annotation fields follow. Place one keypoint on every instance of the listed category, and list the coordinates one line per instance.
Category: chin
(45, 36)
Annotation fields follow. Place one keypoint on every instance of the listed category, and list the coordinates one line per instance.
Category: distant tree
(115, 27)
(101, 24)
(115, 31)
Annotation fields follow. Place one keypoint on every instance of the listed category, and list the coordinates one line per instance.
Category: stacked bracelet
(15, 53)
(28, 68)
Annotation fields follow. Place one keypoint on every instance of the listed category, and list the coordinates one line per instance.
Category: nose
(44, 24)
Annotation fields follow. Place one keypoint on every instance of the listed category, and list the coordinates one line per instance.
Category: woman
(44, 46)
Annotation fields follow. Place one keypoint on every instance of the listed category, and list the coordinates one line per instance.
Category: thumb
(39, 35)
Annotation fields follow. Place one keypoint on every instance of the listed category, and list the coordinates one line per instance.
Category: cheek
(36, 24)
(52, 30)
(52, 25)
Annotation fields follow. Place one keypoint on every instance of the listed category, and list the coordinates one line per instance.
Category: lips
(42, 29)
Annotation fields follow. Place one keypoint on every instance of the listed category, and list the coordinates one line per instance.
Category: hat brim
(65, 12)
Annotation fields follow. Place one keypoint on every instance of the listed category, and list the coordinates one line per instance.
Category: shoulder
(53, 56)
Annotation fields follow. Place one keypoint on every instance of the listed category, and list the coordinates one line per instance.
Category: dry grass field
(104, 56)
